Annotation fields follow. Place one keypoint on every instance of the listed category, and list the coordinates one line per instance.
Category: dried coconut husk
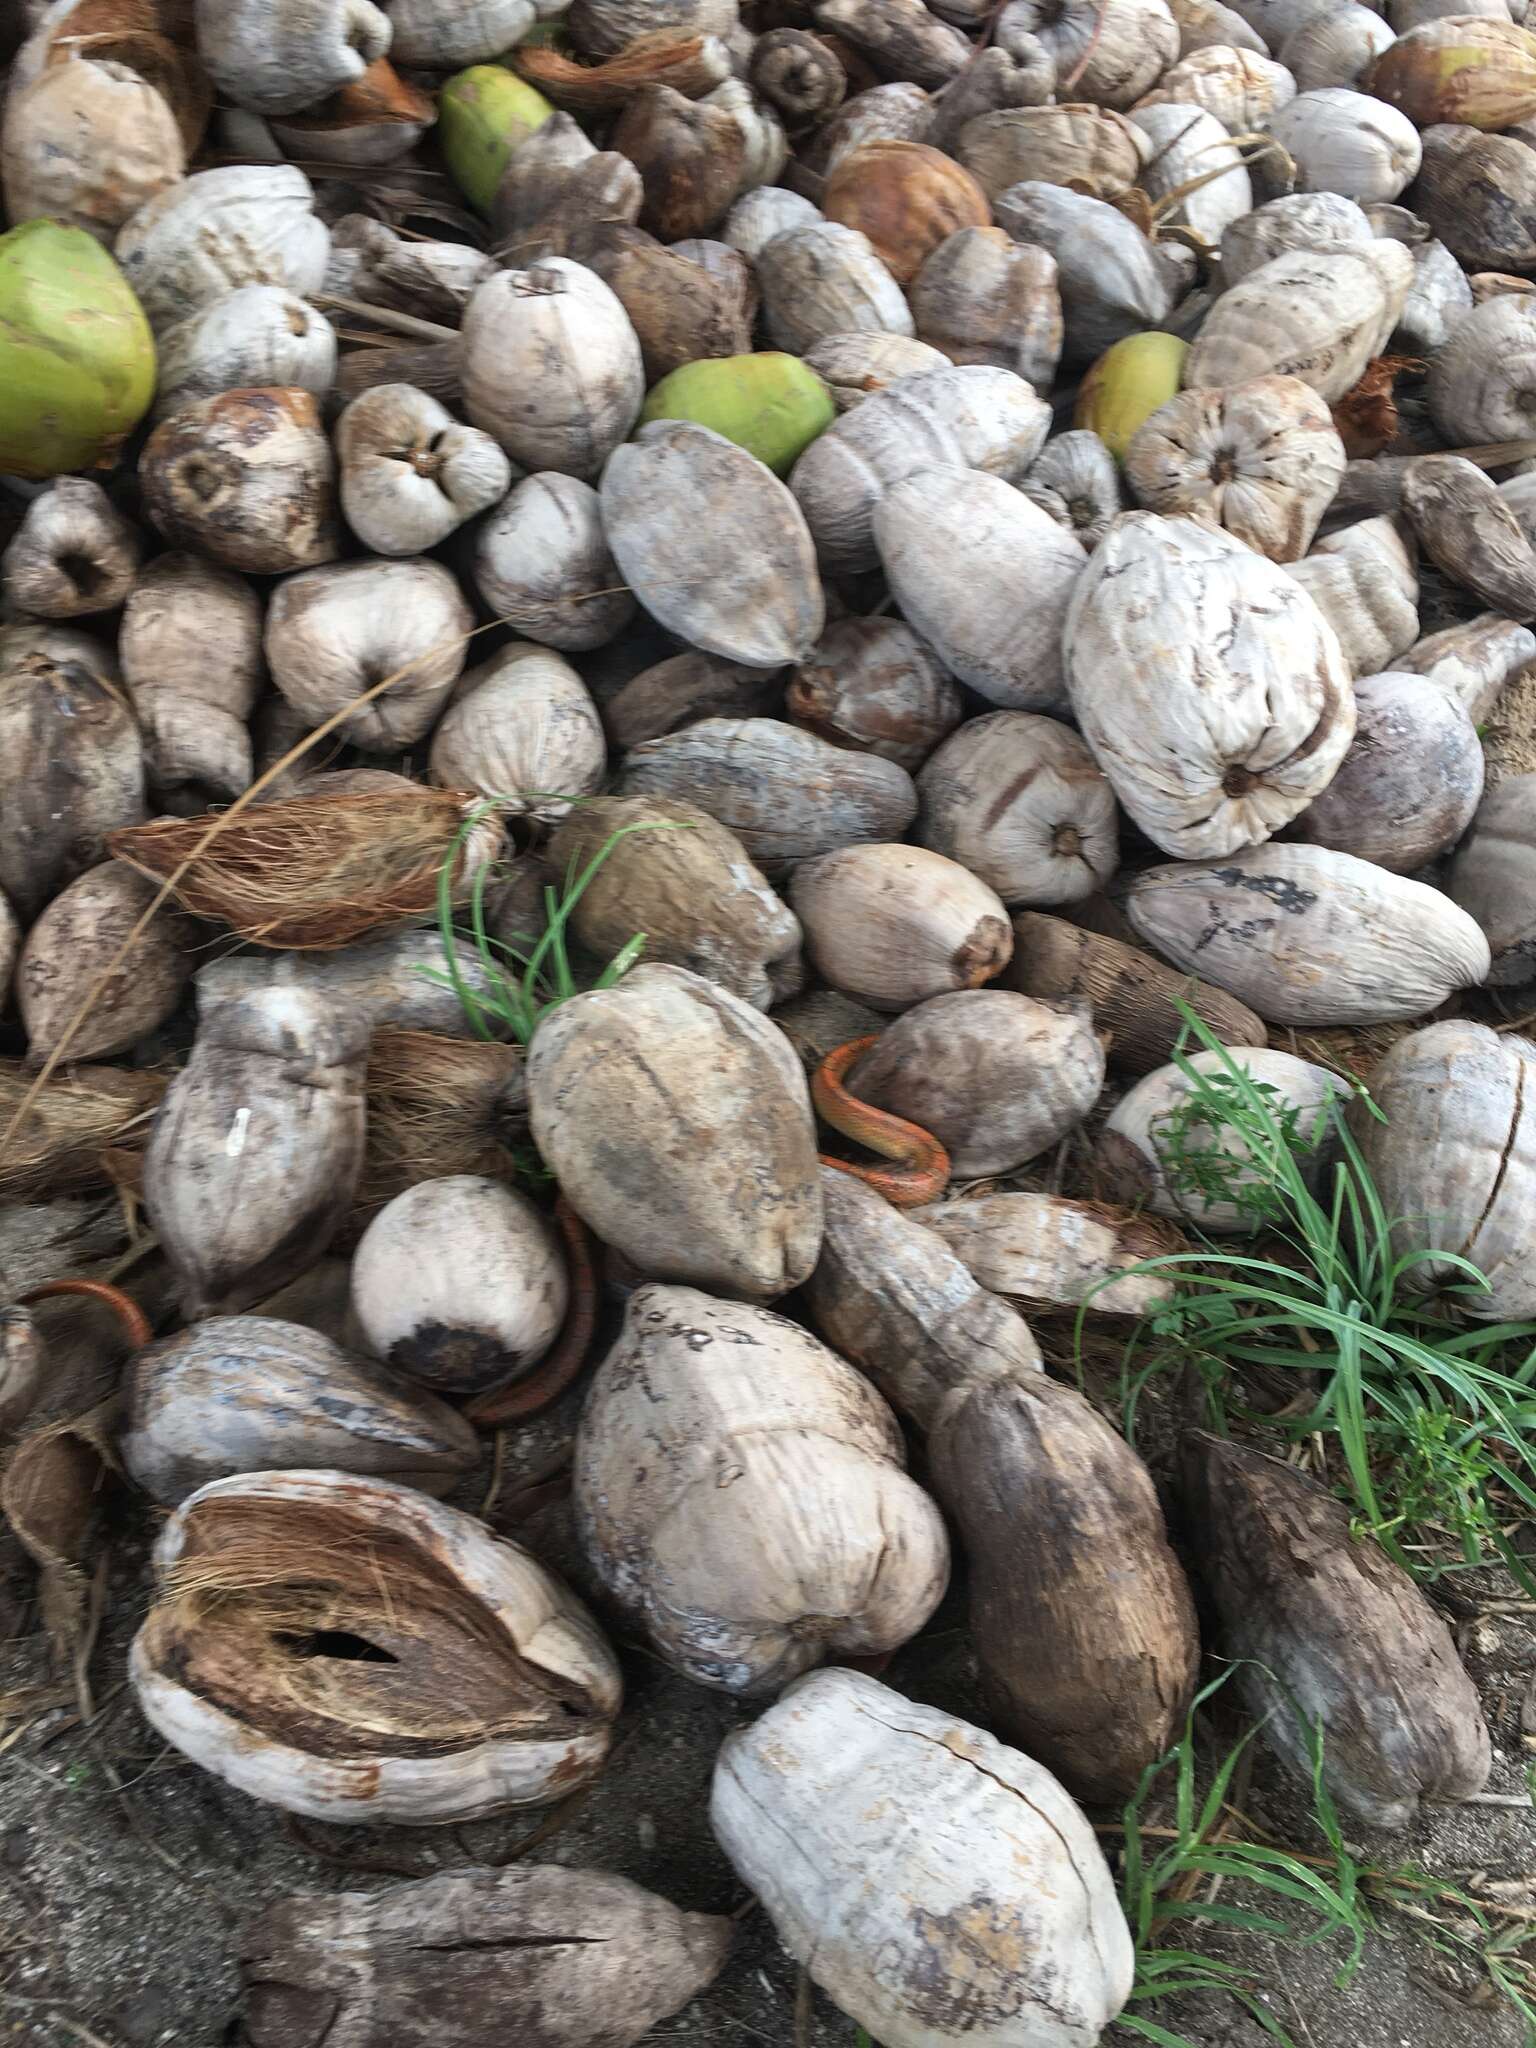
(436, 368)
(1366, 416)
(381, 98)
(437, 1106)
(51, 1495)
(1354, 1053)
(75, 1128)
(691, 65)
(151, 38)
(494, 1688)
(314, 872)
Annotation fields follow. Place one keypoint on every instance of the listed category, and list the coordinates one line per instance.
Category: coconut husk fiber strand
(314, 872)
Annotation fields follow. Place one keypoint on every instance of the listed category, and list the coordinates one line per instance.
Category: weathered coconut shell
(1211, 691)
(1113, 281)
(1477, 193)
(1047, 1252)
(1083, 1623)
(1343, 141)
(246, 477)
(854, 366)
(1406, 790)
(1260, 461)
(1076, 480)
(684, 689)
(85, 935)
(1187, 145)
(713, 545)
(542, 563)
(257, 1146)
(971, 418)
(1493, 878)
(74, 769)
(1473, 661)
(380, 980)
(988, 1908)
(1319, 314)
(521, 728)
(709, 1177)
(892, 925)
(458, 1283)
(1365, 603)
(333, 632)
(1086, 147)
(787, 795)
(1294, 222)
(1469, 531)
(560, 1958)
(1137, 1133)
(985, 577)
(1327, 1616)
(552, 366)
(1305, 935)
(192, 711)
(680, 311)
(1021, 802)
(997, 1077)
(1455, 1161)
(983, 298)
(1241, 87)
(816, 1543)
(823, 280)
(895, 1299)
(692, 891)
(873, 686)
(254, 1394)
(1131, 994)
(231, 1665)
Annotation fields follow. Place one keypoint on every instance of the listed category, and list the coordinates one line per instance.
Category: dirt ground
(122, 1901)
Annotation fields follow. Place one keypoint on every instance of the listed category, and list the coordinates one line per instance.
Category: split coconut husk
(75, 1132)
(349, 1649)
(318, 871)
(438, 1106)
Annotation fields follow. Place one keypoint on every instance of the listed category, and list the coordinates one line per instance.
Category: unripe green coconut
(483, 115)
(1127, 385)
(770, 404)
(77, 359)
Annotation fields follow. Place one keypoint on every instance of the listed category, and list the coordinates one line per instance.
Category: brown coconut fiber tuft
(310, 873)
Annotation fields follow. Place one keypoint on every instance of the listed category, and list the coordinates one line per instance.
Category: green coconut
(77, 359)
(1127, 385)
(771, 405)
(483, 115)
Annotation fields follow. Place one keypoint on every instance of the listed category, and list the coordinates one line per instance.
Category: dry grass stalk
(436, 1106)
(662, 58)
(71, 1128)
(311, 873)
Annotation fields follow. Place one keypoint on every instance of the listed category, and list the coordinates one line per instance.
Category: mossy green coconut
(769, 404)
(483, 115)
(77, 358)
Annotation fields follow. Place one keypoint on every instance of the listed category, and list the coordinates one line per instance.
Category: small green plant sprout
(1337, 1897)
(1432, 1418)
(1161, 1869)
(523, 983)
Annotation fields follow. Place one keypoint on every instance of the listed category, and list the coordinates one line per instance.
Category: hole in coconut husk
(437, 1106)
(311, 873)
(661, 58)
(78, 1132)
(261, 1581)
